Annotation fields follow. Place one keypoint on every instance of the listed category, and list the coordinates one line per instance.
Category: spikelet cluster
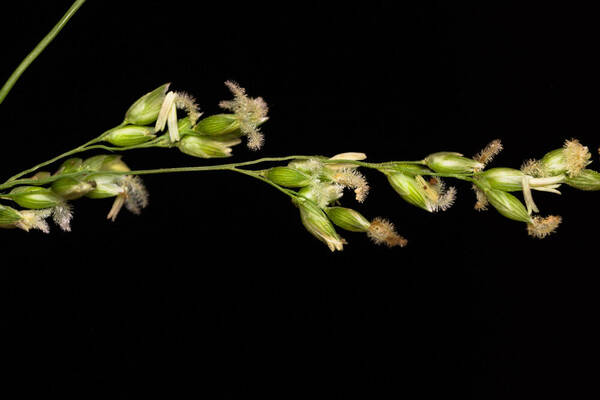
(251, 112)
(541, 227)
(382, 231)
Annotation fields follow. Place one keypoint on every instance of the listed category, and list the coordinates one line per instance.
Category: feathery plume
(251, 112)
(533, 167)
(185, 101)
(439, 198)
(542, 227)
(134, 197)
(382, 231)
(62, 215)
(137, 195)
(482, 201)
(35, 219)
(351, 178)
(486, 155)
(577, 156)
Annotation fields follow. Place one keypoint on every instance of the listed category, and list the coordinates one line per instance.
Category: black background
(217, 291)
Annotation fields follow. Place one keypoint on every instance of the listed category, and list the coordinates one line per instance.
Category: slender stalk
(84, 147)
(221, 167)
(14, 181)
(38, 49)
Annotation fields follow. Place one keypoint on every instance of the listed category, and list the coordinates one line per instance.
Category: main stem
(38, 49)
(14, 181)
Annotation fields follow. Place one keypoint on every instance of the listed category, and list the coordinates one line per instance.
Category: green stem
(222, 167)
(84, 147)
(38, 49)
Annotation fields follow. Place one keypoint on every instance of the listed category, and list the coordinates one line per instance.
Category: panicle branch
(315, 184)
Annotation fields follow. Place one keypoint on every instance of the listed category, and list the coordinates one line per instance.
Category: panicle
(351, 178)
(486, 155)
(251, 112)
(540, 227)
(382, 231)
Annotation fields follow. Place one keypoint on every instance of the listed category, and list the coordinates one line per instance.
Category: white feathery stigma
(351, 178)
(62, 214)
(250, 112)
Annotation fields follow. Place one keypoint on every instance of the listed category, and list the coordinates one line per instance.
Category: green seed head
(316, 222)
(145, 110)
(104, 185)
(104, 162)
(587, 179)
(288, 177)
(507, 205)
(205, 147)
(130, 135)
(348, 219)
(35, 197)
(322, 193)
(452, 163)
(571, 159)
(8, 217)
(409, 189)
(554, 162)
(219, 124)
(70, 165)
(71, 188)
(41, 175)
(506, 179)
